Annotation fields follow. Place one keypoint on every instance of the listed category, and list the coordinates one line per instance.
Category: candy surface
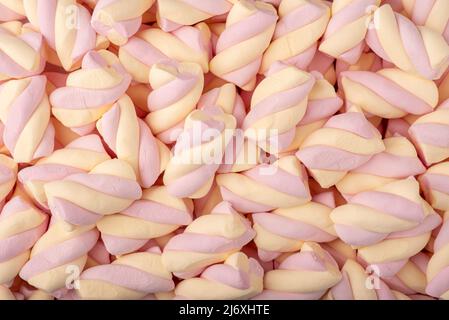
(224, 149)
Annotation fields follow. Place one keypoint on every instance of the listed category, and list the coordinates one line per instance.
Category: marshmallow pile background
(330, 121)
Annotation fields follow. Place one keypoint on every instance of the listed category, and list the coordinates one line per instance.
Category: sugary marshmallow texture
(224, 149)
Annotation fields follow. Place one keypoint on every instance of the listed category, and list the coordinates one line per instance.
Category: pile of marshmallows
(224, 149)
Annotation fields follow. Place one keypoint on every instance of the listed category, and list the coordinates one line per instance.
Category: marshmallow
(358, 284)
(305, 275)
(21, 225)
(198, 153)
(414, 49)
(286, 229)
(56, 255)
(266, 187)
(155, 215)
(173, 14)
(65, 26)
(249, 28)
(150, 46)
(430, 133)
(301, 24)
(398, 161)
(81, 155)
(238, 277)
(278, 103)
(25, 112)
(11, 10)
(82, 199)
(347, 28)
(345, 142)
(388, 224)
(20, 53)
(209, 239)
(131, 276)
(118, 20)
(434, 183)
(176, 90)
(437, 279)
(6, 294)
(389, 93)
(227, 98)
(132, 141)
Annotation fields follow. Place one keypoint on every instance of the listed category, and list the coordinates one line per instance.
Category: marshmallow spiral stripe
(301, 24)
(249, 25)
(348, 25)
(151, 45)
(81, 155)
(131, 276)
(118, 21)
(209, 239)
(30, 136)
(21, 225)
(417, 50)
(172, 14)
(84, 99)
(155, 215)
(132, 141)
(24, 62)
(81, 199)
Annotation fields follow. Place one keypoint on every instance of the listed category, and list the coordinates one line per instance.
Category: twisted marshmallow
(347, 28)
(155, 215)
(301, 24)
(209, 239)
(25, 112)
(132, 141)
(286, 229)
(430, 13)
(81, 155)
(65, 25)
(435, 184)
(345, 142)
(305, 275)
(266, 187)
(357, 284)
(131, 276)
(238, 277)
(6, 294)
(417, 50)
(249, 28)
(322, 103)
(90, 91)
(20, 54)
(437, 269)
(411, 279)
(21, 225)
(278, 103)
(172, 14)
(118, 20)
(56, 254)
(227, 98)
(389, 224)
(11, 10)
(389, 93)
(176, 91)
(82, 199)
(198, 153)
(430, 134)
(398, 161)
(150, 46)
